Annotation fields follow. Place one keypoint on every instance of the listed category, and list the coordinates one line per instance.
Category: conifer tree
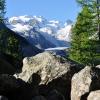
(82, 47)
(94, 5)
(85, 42)
(2, 10)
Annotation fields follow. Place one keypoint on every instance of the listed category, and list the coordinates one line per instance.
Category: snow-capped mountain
(41, 32)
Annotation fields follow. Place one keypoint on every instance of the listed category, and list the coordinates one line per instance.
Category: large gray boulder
(48, 66)
(95, 95)
(55, 73)
(84, 82)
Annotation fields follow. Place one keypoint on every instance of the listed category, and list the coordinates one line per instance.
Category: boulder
(54, 71)
(95, 95)
(47, 65)
(84, 82)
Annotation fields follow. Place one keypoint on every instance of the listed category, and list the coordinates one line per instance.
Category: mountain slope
(25, 48)
(37, 39)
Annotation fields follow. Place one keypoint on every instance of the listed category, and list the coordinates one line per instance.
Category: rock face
(95, 95)
(84, 82)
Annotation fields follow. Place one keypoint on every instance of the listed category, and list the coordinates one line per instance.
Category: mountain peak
(32, 26)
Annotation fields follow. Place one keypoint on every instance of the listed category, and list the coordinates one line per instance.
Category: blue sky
(50, 9)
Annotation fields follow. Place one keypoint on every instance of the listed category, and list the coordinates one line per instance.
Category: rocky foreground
(49, 77)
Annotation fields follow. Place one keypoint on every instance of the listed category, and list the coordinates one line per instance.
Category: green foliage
(2, 10)
(94, 6)
(83, 46)
(9, 44)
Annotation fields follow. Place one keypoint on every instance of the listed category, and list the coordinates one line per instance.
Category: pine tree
(2, 10)
(82, 47)
(94, 5)
(85, 44)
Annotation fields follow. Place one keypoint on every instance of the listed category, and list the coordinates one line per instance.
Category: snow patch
(64, 33)
(21, 28)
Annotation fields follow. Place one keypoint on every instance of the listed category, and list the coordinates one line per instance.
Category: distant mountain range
(41, 32)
